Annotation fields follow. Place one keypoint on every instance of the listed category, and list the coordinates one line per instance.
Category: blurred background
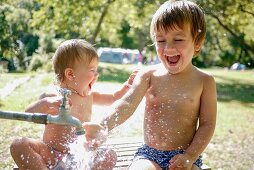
(31, 30)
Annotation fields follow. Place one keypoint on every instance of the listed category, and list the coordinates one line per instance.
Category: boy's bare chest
(174, 95)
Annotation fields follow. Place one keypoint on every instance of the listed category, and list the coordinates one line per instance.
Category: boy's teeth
(174, 58)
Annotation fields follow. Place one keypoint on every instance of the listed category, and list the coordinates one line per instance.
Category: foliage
(17, 39)
(5, 33)
(229, 37)
(40, 61)
(121, 24)
(36, 62)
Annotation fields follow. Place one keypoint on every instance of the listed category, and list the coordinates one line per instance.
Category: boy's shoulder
(147, 71)
(152, 68)
(206, 76)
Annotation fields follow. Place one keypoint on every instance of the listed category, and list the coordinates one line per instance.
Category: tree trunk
(103, 14)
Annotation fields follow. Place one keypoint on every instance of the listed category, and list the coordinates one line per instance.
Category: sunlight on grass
(8, 77)
(234, 134)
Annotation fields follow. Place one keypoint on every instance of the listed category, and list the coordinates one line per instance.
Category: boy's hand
(43, 95)
(95, 135)
(181, 162)
(52, 104)
(49, 103)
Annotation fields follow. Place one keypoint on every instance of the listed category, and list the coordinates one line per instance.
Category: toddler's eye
(178, 40)
(93, 71)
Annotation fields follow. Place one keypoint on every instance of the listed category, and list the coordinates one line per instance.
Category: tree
(16, 32)
(5, 32)
(230, 22)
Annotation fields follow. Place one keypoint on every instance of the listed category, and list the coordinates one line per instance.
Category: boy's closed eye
(160, 41)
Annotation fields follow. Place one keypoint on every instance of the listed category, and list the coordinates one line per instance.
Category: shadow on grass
(232, 89)
(112, 74)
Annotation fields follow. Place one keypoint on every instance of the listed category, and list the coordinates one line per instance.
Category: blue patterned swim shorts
(160, 157)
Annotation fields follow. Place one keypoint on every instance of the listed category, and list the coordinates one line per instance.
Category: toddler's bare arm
(108, 99)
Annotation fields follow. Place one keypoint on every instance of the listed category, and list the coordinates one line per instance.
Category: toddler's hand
(95, 135)
(132, 76)
(181, 162)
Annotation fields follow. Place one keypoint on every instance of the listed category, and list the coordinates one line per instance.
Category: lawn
(232, 144)
(5, 78)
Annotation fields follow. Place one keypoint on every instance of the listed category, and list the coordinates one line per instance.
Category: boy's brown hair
(173, 14)
(69, 53)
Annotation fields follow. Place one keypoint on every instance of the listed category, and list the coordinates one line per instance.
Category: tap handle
(65, 92)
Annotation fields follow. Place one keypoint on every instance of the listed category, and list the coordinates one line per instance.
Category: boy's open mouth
(172, 60)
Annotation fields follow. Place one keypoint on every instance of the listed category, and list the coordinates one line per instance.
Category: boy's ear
(69, 74)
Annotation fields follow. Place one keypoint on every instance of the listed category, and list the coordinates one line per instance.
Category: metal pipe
(24, 116)
(63, 117)
(40, 118)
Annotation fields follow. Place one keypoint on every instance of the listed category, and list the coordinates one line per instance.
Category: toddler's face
(175, 48)
(86, 75)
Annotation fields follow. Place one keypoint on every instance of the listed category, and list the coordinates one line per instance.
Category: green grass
(110, 72)
(8, 77)
(232, 144)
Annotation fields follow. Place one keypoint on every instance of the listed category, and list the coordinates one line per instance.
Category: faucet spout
(66, 120)
(63, 117)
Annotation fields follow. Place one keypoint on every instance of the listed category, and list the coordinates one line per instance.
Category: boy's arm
(207, 121)
(124, 109)
(108, 99)
(127, 105)
(47, 103)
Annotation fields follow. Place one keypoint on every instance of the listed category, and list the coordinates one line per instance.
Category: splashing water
(79, 158)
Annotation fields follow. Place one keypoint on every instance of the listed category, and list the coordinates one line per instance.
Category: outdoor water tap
(63, 117)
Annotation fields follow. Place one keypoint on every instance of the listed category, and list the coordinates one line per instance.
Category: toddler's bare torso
(59, 136)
